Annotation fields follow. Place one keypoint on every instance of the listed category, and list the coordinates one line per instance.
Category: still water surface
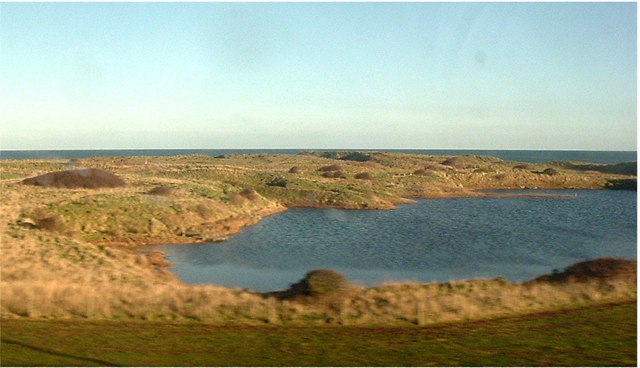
(433, 240)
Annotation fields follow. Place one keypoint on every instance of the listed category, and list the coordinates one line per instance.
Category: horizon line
(328, 149)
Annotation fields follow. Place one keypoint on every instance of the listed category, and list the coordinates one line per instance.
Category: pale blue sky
(325, 75)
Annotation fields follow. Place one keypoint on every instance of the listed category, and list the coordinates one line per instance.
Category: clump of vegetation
(522, 167)
(250, 194)
(364, 176)
(455, 161)
(50, 223)
(344, 156)
(318, 284)
(434, 166)
(623, 168)
(236, 199)
(332, 171)
(161, 191)
(600, 268)
(550, 171)
(481, 170)
(334, 167)
(247, 194)
(356, 156)
(295, 170)
(422, 172)
(470, 161)
(203, 211)
(81, 178)
(334, 174)
(622, 184)
(277, 182)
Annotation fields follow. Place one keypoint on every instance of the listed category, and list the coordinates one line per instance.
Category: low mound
(364, 176)
(161, 191)
(334, 174)
(82, 178)
(600, 268)
(334, 167)
(317, 285)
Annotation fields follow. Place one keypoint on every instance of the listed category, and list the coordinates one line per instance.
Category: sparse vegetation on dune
(67, 252)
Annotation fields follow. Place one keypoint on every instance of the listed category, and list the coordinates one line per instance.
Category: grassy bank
(593, 336)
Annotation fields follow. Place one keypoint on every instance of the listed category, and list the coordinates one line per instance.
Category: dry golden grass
(385, 305)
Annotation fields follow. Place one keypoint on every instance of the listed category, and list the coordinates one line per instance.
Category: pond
(432, 240)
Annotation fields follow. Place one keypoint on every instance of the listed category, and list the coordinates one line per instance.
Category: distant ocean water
(604, 157)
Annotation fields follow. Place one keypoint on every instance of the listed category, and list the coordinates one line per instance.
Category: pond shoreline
(527, 218)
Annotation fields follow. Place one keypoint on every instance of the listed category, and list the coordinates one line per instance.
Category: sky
(318, 75)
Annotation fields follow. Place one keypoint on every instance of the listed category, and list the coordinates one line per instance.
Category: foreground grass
(593, 336)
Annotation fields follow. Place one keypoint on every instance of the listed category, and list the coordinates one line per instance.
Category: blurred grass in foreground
(591, 336)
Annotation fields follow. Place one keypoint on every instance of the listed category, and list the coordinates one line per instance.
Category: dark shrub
(321, 283)
(364, 176)
(204, 211)
(500, 176)
(277, 182)
(622, 184)
(434, 167)
(334, 174)
(623, 168)
(522, 167)
(295, 170)
(452, 161)
(334, 167)
(81, 178)
(600, 268)
(345, 155)
(356, 156)
(421, 172)
(550, 171)
(161, 191)
(339, 174)
(250, 194)
(50, 223)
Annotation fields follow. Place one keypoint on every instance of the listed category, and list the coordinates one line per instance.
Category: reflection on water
(518, 238)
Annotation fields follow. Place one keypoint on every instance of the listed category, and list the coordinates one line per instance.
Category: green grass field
(594, 336)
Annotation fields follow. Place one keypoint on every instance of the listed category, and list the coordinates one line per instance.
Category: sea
(430, 241)
(533, 156)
